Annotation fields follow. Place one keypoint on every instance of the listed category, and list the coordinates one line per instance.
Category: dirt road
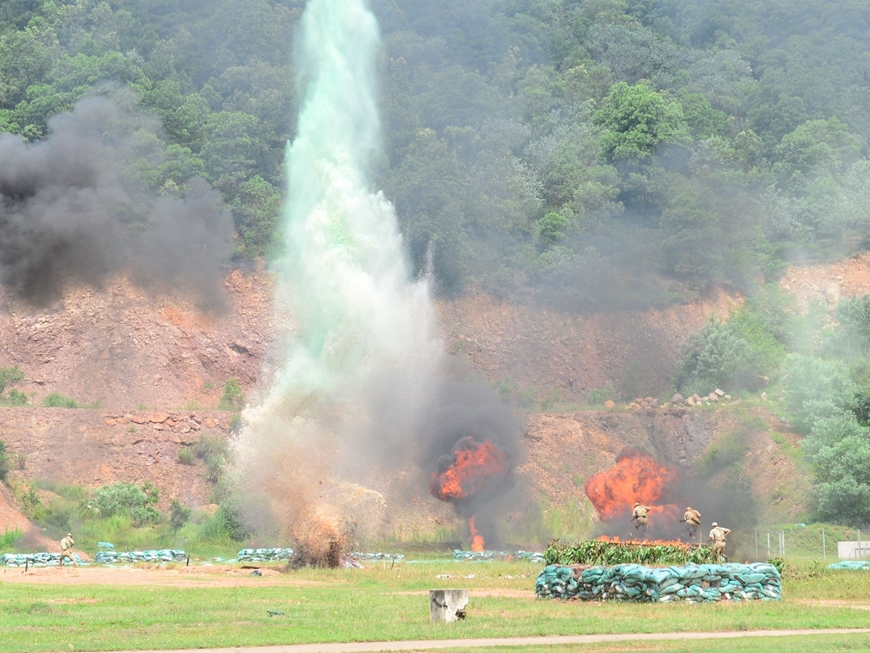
(423, 645)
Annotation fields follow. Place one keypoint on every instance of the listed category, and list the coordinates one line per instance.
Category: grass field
(800, 644)
(379, 603)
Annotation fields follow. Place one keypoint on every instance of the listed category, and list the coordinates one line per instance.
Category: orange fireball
(636, 476)
(475, 467)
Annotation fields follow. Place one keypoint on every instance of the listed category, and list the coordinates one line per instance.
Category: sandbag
(691, 583)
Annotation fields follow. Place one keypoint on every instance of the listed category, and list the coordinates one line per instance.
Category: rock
(608, 405)
(678, 399)
(764, 396)
(209, 423)
(137, 419)
(719, 392)
(157, 418)
(691, 401)
(727, 397)
(109, 421)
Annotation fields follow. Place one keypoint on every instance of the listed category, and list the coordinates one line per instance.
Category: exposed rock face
(122, 348)
(91, 448)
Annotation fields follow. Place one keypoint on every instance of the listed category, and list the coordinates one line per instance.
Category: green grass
(8, 538)
(377, 603)
(795, 644)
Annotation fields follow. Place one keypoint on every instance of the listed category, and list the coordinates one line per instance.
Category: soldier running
(640, 516)
(66, 545)
(692, 518)
(717, 538)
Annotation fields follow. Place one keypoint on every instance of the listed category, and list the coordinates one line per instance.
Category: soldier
(639, 516)
(693, 519)
(66, 545)
(717, 538)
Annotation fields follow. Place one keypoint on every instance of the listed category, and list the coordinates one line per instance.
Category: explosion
(636, 477)
(473, 472)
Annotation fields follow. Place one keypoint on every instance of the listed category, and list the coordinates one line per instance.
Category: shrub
(600, 395)
(57, 400)
(10, 376)
(233, 397)
(179, 514)
(9, 538)
(16, 398)
(816, 389)
(718, 356)
(4, 462)
(127, 499)
(186, 456)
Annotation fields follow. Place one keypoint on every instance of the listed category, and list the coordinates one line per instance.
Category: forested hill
(597, 153)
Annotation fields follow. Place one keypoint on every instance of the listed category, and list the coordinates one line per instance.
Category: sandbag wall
(479, 556)
(692, 583)
(853, 565)
(162, 555)
(264, 555)
(35, 560)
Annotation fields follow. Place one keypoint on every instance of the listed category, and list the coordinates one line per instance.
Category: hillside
(156, 365)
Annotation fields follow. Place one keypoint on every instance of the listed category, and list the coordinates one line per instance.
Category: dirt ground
(198, 576)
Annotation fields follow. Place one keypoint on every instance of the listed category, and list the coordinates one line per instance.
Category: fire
(636, 476)
(474, 468)
(477, 541)
(617, 540)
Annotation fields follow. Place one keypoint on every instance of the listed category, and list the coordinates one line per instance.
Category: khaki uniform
(717, 537)
(66, 545)
(693, 519)
(640, 517)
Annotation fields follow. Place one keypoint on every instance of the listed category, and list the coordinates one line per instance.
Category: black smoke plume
(72, 214)
(462, 410)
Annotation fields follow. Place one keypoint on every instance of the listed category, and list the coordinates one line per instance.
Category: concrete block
(447, 605)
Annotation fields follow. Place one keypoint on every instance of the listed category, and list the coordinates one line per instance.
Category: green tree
(636, 121)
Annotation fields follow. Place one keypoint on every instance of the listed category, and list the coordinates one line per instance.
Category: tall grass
(9, 538)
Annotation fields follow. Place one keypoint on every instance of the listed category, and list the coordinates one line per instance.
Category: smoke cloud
(360, 386)
(71, 214)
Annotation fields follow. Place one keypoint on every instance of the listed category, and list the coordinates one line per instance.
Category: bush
(9, 538)
(186, 456)
(57, 400)
(816, 389)
(600, 395)
(179, 514)
(10, 376)
(718, 356)
(127, 499)
(233, 397)
(4, 462)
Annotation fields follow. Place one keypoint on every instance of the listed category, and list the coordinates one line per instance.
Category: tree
(636, 121)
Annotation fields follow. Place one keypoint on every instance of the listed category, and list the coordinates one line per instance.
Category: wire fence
(827, 544)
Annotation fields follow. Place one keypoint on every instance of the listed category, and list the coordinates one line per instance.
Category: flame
(636, 476)
(617, 540)
(475, 466)
(477, 542)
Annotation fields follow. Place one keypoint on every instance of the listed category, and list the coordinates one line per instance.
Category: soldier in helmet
(66, 545)
(717, 538)
(640, 517)
(692, 518)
